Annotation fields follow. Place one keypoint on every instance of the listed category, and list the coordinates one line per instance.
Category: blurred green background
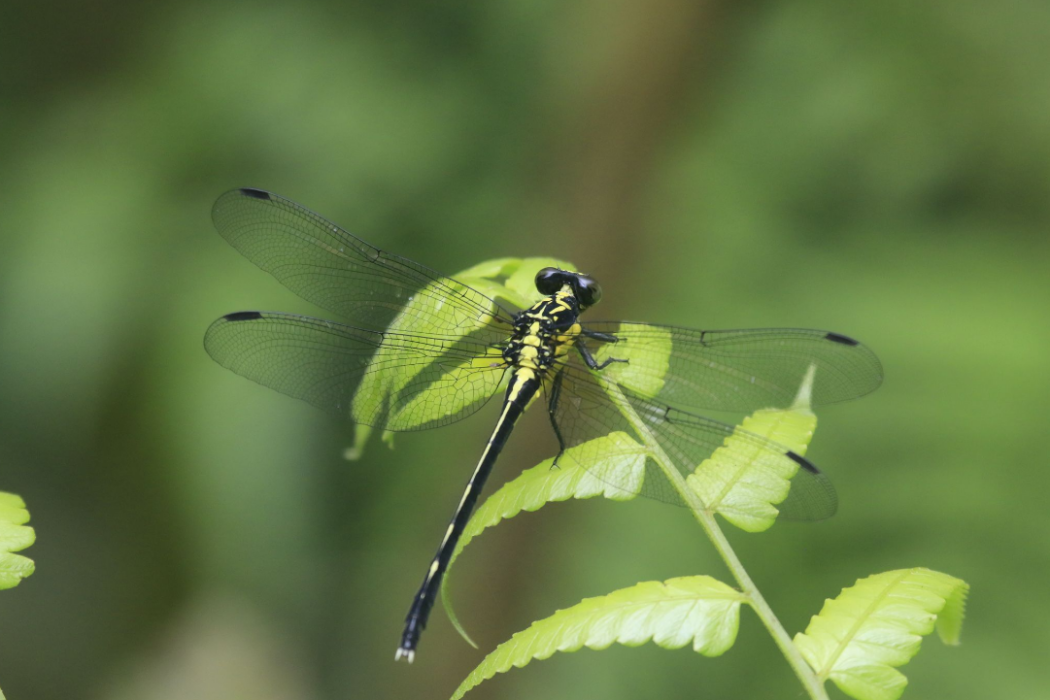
(879, 169)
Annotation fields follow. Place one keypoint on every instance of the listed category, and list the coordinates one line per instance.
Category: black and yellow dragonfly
(425, 350)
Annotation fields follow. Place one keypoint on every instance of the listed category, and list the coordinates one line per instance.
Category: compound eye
(589, 292)
(549, 280)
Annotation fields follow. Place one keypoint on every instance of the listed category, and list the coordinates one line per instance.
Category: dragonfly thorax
(544, 332)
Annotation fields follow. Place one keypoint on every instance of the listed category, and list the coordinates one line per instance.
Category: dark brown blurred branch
(620, 117)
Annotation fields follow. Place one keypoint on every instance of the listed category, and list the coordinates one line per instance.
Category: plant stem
(814, 687)
(806, 675)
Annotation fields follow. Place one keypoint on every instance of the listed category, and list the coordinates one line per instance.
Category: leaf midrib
(826, 672)
(739, 474)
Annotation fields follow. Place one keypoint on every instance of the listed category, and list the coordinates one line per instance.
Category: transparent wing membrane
(339, 272)
(390, 380)
(739, 370)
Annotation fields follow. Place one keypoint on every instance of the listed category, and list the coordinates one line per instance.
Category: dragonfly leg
(604, 337)
(589, 358)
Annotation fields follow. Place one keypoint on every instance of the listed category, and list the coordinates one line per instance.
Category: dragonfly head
(551, 280)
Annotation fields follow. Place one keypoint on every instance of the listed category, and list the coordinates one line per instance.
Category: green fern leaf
(743, 485)
(15, 536)
(878, 623)
(694, 609)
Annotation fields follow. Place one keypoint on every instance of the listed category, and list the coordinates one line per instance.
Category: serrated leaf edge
(531, 644)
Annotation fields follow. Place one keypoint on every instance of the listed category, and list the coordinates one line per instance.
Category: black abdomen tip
(838, 338)
(252, 192)
(243, 316)
(802, 462)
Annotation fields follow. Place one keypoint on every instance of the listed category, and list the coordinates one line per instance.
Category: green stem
(814, 687)
(805, 674)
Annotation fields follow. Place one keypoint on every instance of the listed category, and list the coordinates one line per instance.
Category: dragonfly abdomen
(523, 387)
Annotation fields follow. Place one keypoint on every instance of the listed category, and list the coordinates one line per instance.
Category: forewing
(337, 271)
(390, 380)
(737, 370)
(585, 408)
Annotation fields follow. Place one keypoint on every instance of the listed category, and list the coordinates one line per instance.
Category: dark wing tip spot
(803, 462)
(242, 316)
(254, 193)
(838, 338)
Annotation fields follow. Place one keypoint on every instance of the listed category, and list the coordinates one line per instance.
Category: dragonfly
(421, 350)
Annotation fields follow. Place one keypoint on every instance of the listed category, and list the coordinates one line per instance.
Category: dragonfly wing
(390, 380)
(588, 406)
(739, 370)
(339, 272)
